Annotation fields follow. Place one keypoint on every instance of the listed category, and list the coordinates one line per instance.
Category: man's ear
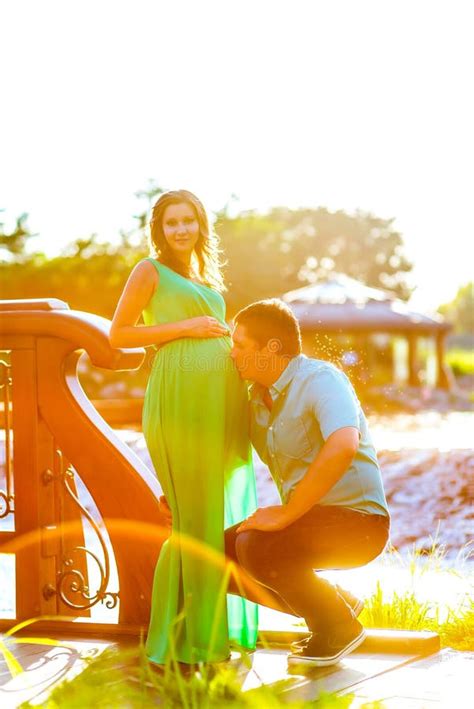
(274, 346)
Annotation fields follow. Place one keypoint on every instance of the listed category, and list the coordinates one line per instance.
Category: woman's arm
(141, 285)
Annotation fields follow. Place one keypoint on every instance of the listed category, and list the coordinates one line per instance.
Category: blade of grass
(12, 663)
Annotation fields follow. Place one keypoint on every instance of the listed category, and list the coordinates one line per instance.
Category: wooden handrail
(34, 304)
(53, 318)
(55, 426)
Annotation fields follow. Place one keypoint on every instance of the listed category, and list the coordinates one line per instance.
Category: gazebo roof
(341, 303)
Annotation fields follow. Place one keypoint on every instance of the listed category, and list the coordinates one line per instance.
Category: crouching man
(307, 425)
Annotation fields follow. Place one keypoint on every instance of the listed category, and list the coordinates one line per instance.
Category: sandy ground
(427, 462)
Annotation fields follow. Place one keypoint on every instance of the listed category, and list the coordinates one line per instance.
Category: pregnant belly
(199, 355)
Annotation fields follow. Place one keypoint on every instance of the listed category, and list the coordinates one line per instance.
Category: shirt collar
(285, 378)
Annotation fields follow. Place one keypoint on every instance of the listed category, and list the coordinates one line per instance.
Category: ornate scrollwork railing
(41, 341)
(6, 496)
(71, 585)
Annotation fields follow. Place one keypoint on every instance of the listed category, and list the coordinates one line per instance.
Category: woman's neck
(184, 258)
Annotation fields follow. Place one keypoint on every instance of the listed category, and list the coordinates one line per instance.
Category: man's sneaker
(322, 651)
(354, 603)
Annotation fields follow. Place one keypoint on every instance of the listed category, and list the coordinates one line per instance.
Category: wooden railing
(52, 434)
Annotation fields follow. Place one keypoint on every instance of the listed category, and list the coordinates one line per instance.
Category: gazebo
(341, 305)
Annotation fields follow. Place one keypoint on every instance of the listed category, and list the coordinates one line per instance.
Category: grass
(409, 609)
(407, 612)
(461, 361)
(401, 611)
(458, 630)
(125, 678)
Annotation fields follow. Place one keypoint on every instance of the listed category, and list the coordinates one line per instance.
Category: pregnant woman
(195, 423)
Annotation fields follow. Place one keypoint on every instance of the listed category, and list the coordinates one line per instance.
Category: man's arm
(332, 461)
(330, 464)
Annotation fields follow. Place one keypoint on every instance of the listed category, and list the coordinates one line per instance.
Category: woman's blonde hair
(207, 252)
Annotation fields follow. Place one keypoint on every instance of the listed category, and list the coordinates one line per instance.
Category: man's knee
(253, 553)
(230, 538)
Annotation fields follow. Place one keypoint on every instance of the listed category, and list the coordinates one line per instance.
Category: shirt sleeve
(333, 401)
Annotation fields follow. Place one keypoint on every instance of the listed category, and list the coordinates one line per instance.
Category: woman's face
(180, 227)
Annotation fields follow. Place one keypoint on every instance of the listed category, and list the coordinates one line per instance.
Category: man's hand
(267, 519)
(165, 511)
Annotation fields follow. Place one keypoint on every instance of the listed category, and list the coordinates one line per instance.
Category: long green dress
(195, 423)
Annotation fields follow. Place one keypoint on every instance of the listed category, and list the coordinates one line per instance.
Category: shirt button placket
(274, 457)
(270, 442)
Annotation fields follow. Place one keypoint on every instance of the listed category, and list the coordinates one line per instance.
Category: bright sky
(345, 104)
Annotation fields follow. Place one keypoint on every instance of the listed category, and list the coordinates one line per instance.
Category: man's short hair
(271, 322)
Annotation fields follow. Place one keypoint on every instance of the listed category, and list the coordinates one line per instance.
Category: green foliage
(270, 254)
(12, 244)
(460, 312)
(90, 277)
(402, 611)
(125, 678)
(407, 611)
(457, 631)
(149, 194)
(266, 256)
(460, 361)
(88, 274)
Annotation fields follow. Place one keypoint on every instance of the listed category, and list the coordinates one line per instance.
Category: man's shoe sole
(301, 659)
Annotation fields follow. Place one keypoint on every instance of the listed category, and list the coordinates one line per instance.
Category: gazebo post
(413, 378)
(443, 378)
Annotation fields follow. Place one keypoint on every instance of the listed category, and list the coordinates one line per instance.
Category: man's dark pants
(326, 537)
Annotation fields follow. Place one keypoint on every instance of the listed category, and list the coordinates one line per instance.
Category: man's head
(266, 336)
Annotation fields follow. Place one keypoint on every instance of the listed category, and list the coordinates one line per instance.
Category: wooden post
(444, 376)
(413, 378)
(26, 481)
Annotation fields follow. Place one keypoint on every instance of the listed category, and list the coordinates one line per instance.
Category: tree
(89, 274)
(266, 254)
(12, 244)
(460, 311)
(285, 249)
(149, 194)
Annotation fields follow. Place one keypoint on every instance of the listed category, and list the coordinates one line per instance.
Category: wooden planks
(441, 680)
(270, 667)
(394, 677)
(44, 667)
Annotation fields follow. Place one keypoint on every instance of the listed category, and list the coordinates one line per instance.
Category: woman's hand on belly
(204, 327)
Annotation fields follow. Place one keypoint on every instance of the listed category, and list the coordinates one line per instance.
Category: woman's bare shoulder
(144, 277)
(146, 269)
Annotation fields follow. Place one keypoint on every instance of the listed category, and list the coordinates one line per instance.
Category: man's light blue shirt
(311, 400)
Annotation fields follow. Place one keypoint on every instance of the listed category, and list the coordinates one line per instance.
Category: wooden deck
(45, 666)
(402, 678)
